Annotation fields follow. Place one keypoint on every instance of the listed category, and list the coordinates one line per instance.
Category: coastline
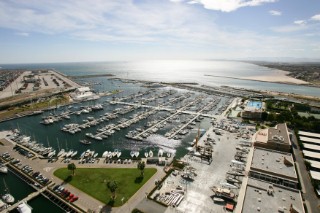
(280, 77)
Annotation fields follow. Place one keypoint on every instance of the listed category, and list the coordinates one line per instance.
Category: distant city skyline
(75, 31)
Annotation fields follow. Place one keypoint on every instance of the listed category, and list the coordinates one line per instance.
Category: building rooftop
(315, 164)
(262, 136)
(315, 175)
(310, 154)
(257, 198)
(311, 146)
(274, 163)
(279, 134)
(310, 140)
(310, 134)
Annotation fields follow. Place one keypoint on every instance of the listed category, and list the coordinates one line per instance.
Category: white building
(84, 93)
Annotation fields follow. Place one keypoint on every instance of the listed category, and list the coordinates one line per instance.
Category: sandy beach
(277, 76)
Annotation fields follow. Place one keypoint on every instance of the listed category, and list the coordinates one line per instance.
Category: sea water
(196, 71)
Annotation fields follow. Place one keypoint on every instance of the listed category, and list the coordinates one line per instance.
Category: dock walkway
(26, 199)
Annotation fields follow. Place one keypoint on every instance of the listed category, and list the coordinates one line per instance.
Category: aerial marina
(176, 114)
(204, 155)
(171, 106)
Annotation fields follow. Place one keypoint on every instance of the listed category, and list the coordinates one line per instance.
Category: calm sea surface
(179, 71)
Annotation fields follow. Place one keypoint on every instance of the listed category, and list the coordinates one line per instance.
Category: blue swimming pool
(255, 104)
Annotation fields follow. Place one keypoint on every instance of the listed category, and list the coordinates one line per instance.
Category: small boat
(51, 154)
(224, 193)
(3, 169)
(132, 154)
(160, 152)
(218, 200)
(119, 154)
(74, 154)
(95, 155)
(105, 154)
(61, 152)
(82, 155)
(86, 142)
(187, 176)
(232, 180)
(7, 197)
(136, 154)
(150, 154)
(69, 153)
(146, 154)
(228, 185)
(23, 207)
(98, 138)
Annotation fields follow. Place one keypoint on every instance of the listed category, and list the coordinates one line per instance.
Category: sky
(33, 31)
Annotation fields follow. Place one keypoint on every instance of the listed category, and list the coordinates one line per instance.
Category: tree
(72, 168)
(141, 166)
(112, 186)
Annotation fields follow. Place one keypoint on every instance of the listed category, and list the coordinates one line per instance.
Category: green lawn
(93, 181)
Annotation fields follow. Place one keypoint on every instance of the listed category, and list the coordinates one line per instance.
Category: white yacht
(150, 154)
(8, 198)
(105, 154)
(51, 154)
(160, 152)
(23, 207)
(74, 154)
(119, 154)
(3, 169)
(62, 151)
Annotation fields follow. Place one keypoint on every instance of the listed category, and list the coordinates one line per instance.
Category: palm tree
(112, 186)
(141, 166)
(72, 167)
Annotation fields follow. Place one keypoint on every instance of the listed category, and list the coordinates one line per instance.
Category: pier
(176, 112)
(45, 191)
(29, 197)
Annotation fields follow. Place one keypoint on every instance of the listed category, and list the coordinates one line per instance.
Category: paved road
(311, 200)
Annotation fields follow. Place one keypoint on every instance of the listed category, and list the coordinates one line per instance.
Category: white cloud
(193, 2)
(289, 28)
(22, 34)
(160, 24)
(300, 22)
(275, 13)
(315, 18)
(230, 5)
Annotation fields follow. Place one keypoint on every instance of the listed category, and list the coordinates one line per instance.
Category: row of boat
(47, 120)
(67, 154)
(26, 142)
